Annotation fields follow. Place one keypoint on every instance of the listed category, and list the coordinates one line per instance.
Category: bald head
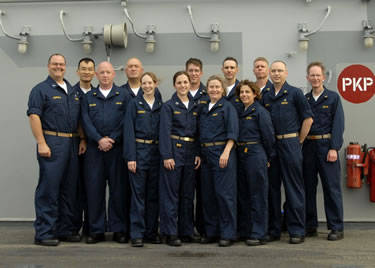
(134, 69)
(105, 74)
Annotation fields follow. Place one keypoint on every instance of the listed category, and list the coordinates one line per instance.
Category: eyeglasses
(57, 64)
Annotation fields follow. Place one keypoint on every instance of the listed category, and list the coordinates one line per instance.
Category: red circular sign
(356, 83)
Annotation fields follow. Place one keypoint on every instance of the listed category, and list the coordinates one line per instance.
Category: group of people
(205, 166)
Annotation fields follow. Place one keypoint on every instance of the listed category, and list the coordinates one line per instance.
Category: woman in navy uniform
(179, 152)
(218, 134)
(255, 147)
(141, 152)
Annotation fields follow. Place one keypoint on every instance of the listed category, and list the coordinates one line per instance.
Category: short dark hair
(87, 60)
(56, 54)
(194, 61)
(230, 58)
(316, 63)
(177, 74)
(251, 85)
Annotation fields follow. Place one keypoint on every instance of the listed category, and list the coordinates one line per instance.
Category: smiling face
(215, 90)
(278, 73)
(316, 77)
(86, 71)
(195, 73)
(247, 95)
(56, 67)
(148, 86)
(182, 85)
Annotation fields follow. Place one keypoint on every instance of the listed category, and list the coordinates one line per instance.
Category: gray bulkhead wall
(248, 29)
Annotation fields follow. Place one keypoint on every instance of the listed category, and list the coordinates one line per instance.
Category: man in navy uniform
(230, 70)
(194, 67)
(292, 118)
(320, 154)
(53, 110)
(103, 111)
(134, 71)
(261, 72)
(85, 72)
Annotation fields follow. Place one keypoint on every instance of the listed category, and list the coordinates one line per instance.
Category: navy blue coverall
(328, 119)
(177, 187)
(104, 117)
(202, 99)
(288, 110)
(141, 136)
(255, 147)
(219, 185)
(234, 99)
(81, 205)
(56, 193)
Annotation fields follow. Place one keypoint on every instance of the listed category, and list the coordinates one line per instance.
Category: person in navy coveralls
(141, 152)
(53, 110)
(85, 72)
(255, 148)
(180, 158)
(230, 70)
(292, 118)
(103, 112)
(134, 71)
(218, 134)
(261, 72)
(194, 68)
(320, 154)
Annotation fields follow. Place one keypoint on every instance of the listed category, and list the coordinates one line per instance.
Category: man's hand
(132, 166)
(332, 155)
(82, 146)
(105, 144)
(44, 150)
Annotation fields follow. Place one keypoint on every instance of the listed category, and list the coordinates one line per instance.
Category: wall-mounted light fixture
(22, 38)
(113, 35)
(214, 33)
(368, 37)
(304, 32)
(150, 33)
(87, 35)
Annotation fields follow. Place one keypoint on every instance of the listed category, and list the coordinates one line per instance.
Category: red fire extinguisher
(371, 176)
(356, 164)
